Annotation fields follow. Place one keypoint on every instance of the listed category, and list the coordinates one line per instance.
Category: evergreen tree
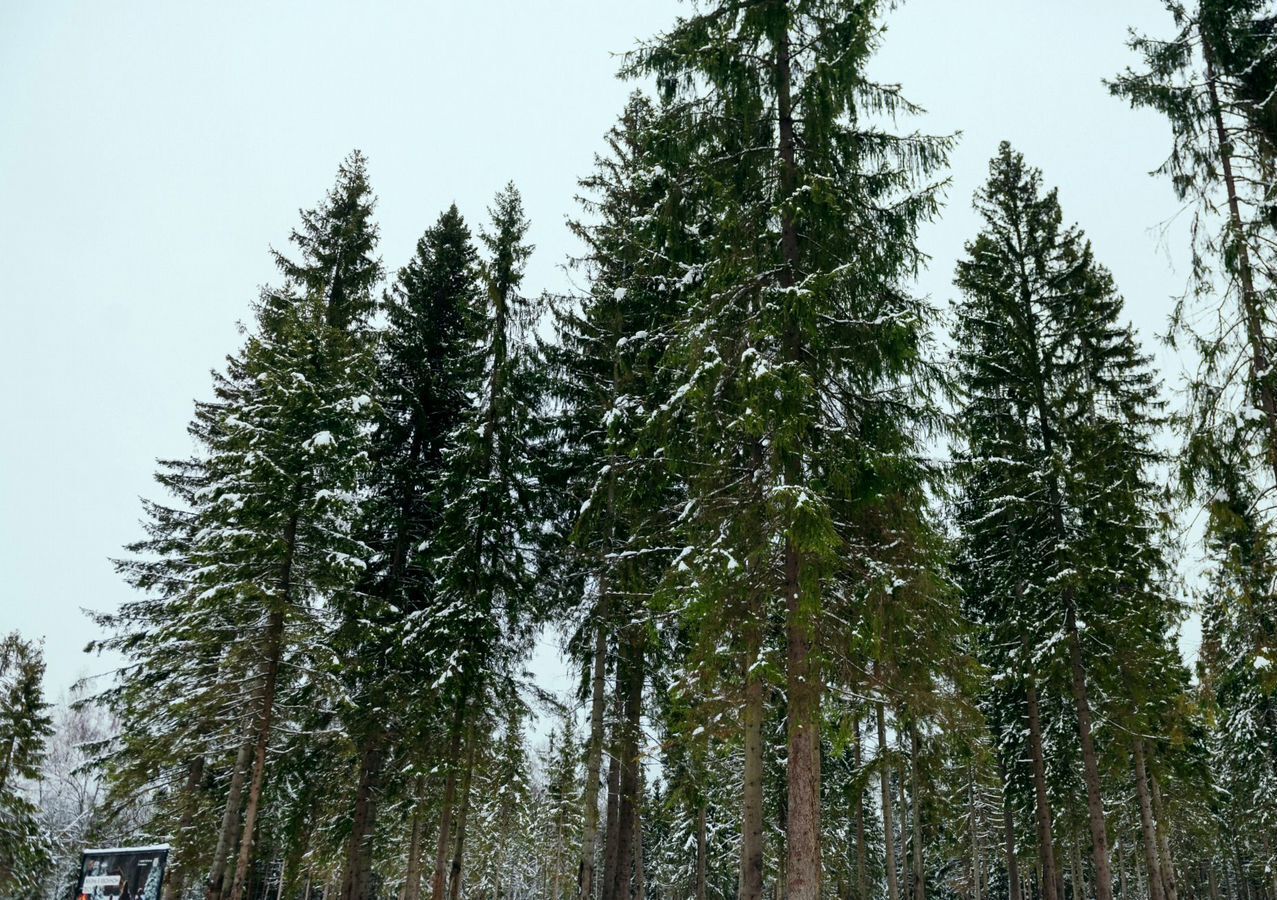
(1058, 515)
(267, 541)
(25, 726)
(800, 360)
(484, 601)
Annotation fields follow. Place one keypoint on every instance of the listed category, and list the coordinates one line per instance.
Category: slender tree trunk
(607, 891)
(973, 826)
(1046, 845)
(231, 814)
(1122, 887)
(1013, 864)
(1170, 887)
(630, 753)
(1075, 867)
(888, 829)
(862, 869)
(412, 877)
(1147, 825)
(702, 854)
(1090, 762)
(458, 854)
(640, 871)
(175, 884)
(594, 755)
(904, 844)
(274, 646)
(1261, 374)
(751, 851)
(439, 883)
(358, 878)
(803, 680)
(1211, 883)
(915, 798)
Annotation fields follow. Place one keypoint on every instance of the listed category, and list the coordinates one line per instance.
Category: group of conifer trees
(854, 616)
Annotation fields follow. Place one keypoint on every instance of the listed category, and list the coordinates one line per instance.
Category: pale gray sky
(151, 151)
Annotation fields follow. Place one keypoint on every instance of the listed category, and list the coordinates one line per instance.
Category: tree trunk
(1261, 374)
(439, 883)
(458, 855)
(358, 878)
(915, 801)
(1090, 761)
(1075, 868)
(904, 844)
(1046, 845)
(412, 877)
(862, 869)
(607, 889)
(973, 826)
(1122, 887)
(627, 812)
(1148, 827)
(702, 854)
(640, 872)
(803, 681)
(1013, 864)
(1170, 887)
(274, 646)
(175, 884)
(594, 756)
(230, 817)
(751, 851)
(888, 829)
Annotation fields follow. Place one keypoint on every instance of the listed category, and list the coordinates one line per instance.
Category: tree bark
(1261, 373)
(439, 882)
(1147, 826)
(751, 852)
(915, 802)
(862, 869)
(1170, 887)
(1090, 761)
(803, 680)
(412, 877)
(1046, 845)
(888, 829)
(458, 854)
(640, 872)
(631, 761)
(274, 646)
(594, 755)
(973, 826)
(608, 888)
(627, 812)
(702, 854)
(357, 883)
(1013, 864)
(231, 814)
(175, 884)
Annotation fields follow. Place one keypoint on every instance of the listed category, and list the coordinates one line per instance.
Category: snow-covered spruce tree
(267, 543)
(799, 341)
(1058, 515)
(1214, 80)
(428, 365)
(477, 623)
(612, 489)
(25, 726)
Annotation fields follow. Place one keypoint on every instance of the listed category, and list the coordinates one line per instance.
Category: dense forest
(864, 598)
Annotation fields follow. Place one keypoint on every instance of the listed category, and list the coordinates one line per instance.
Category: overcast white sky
(150, 152)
